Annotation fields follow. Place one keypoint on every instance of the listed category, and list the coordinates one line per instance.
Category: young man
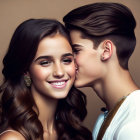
(103, 40)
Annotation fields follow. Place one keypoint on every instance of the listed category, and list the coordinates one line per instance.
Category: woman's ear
(107, 50)
(27, 73)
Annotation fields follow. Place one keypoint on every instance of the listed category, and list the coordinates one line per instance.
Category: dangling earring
(27, 80)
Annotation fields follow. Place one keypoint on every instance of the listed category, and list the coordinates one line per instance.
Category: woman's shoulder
(11, 135)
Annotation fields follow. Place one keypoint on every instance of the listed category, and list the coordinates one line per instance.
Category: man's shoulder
(129, 131)
(134, 100)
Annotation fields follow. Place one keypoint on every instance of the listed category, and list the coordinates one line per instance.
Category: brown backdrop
(13, 12)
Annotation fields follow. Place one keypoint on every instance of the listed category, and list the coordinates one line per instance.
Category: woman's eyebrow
(50, 57)
(43, 57)
(67, 54)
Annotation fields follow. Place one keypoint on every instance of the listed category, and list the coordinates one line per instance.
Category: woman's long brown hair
(17, 103)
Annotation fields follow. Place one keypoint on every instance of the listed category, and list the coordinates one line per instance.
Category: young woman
(103, 39)
(38, 99)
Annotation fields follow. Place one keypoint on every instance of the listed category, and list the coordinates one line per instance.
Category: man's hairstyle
(100, 21)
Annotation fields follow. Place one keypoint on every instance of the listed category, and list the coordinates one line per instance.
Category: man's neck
(114, 87)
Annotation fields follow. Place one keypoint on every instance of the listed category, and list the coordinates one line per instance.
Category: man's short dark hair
(99, 21)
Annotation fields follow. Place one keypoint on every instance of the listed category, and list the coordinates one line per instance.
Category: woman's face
(53, 70)
(87, 60)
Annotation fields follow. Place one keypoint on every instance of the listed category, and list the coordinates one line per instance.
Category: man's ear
(107, 50)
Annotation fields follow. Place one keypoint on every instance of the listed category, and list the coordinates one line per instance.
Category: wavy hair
(17, 103)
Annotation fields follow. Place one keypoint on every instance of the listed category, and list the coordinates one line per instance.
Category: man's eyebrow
(76, 45)
(43, 57)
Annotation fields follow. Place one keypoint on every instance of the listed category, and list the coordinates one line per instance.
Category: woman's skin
(99, 69)
(52, 73)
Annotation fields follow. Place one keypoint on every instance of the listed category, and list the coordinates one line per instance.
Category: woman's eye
(67, 61)
(45, 63)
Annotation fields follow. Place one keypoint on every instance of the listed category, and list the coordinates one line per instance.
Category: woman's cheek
(71, 70)
(40, 73)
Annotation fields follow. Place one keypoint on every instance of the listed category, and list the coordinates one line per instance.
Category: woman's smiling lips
(58, 83)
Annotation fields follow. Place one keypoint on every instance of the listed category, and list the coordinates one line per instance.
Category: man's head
(105, 21)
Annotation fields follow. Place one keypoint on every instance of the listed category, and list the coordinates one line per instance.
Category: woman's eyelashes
(49, 62)
(44, 62)
(67, 60)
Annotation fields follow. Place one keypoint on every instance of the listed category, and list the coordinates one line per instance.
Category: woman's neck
(47, 109)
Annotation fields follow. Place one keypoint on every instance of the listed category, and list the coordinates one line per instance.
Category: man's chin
(78, 85)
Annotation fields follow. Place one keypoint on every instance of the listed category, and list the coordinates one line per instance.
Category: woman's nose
(58, 70)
